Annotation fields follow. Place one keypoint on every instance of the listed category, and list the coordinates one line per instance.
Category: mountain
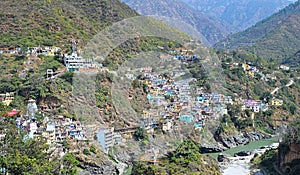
(240, 14)
(32, 23)
(183, 17)
(293, 61)
(275, 37)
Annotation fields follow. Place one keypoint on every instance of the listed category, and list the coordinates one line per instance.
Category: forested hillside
(33, 23)
(276, 37)
(240, 14)
(183, 17)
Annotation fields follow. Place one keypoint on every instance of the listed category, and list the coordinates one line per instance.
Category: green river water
(251, 146)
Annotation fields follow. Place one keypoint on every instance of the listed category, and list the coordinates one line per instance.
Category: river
(243, 167)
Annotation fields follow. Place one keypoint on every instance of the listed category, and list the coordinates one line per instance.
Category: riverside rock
(231, 141)
(242, 153)
(207, 148)
(223, 158)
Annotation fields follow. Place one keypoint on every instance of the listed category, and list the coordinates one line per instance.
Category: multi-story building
(74, 62)
(106, 139)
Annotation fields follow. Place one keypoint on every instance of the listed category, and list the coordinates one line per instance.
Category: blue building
(106, 139)
(186, 118)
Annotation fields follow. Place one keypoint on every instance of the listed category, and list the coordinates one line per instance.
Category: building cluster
(48, 51)
(258, 105)
(54, 129)
(75, 63)
(284, 67)
(7, 98)
(7, 50)
(183, 55)
(174, 101)
(250, 71)
(254, 105)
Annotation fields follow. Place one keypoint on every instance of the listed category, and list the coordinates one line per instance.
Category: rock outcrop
(223, 158)
(289, 158)
(104, 166)
(211, 148)
(242, 154)
(49, 103)
(231, 141)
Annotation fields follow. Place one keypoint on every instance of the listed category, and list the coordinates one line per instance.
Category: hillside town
(133, 87)
(172, 99)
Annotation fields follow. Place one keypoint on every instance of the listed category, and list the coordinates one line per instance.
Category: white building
(283, 67)
(74, 62)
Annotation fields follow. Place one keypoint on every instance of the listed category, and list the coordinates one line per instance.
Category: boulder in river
(243, 153)
(223, 158)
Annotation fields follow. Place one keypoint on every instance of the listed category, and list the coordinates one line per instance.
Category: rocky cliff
(234, 140)
(289, 158)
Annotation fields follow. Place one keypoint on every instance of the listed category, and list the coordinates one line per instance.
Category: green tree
(86, 152)
(93, 149)
(234, 110)
(70, 164)
(140, 134)
(25, 156)
(293, 109)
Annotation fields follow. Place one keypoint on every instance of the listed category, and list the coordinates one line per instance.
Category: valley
(93, 87)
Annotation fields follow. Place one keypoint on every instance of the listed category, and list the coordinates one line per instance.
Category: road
(287, 85)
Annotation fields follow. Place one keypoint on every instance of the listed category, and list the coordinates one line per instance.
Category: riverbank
(253, 145)
(241, 165)
(238, 166)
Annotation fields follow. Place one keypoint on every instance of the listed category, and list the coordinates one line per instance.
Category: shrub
(86, 152)
(140, 134)
(93, 149)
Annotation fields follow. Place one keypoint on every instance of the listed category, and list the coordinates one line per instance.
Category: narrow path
(287, 85)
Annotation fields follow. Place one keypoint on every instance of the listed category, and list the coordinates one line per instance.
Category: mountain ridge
(241, 14)
(275, 37)
(212, 29)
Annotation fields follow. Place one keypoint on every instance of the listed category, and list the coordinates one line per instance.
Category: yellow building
(275, 102)
(250, 74)
(7, 98)
(246, 66)
(146, 114)
(243, 107)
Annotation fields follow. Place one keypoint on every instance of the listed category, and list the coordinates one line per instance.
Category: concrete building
(31, 108)
(167, 126)
(74, 62)
(106, 139)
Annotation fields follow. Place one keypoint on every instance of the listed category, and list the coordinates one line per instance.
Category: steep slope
(31, 23)
(186, 159)
(241, 14)
(293, 61)
(289, 151)
(275, 37)
(180, 15)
